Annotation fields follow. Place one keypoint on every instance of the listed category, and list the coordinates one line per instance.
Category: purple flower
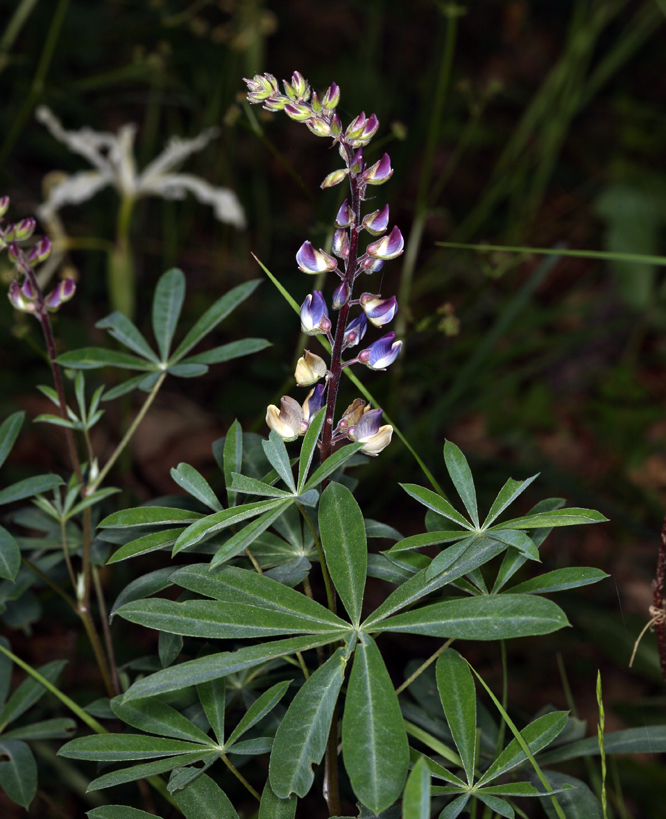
(341, 244)
(63, 292)
(356, 165)
(369, 431)
(4, 205)
(378, 173)
(345, 216)
(340, 296)
(388, 247)
(314, 261)
(331, 98)
(355, 331)
(40, 252)
(379, 311)
(313, 403)
(356, 126)
(370, 265)
(382, 353)
(18, 300)
(377, 222)
(314, 314)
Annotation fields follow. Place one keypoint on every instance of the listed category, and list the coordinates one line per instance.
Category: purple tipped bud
(379, 311)
(314, 261)
(387, 247)
(382, 353)
(298, 111)
(313, 403)
(331, 98)
(377, 222)
(334, 178)
(315, 102)
(62, 293)
(275, 103)
(14, 252)
(355, 127)
(345, 216)
(369, 129)
(341, 244)
(4, 205)
(371, 265)
(28, 291)
(18, 301)
(355, 331)
(357, 162)
(261, 88)
(314, 314)
(319, 127)
(380, 172)
(300, 87)
(40, 252)
(336, 126)
(340, 296)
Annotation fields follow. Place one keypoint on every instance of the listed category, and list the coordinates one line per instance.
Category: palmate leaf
(577, 803)
(559, 580)
(118, 812)
(212, 696)
(93, 358)
(246, 536)
(126, 747)
(499, 806)
(146, 544)
(308, 447)
(193, 482)
(143, 586)
(458, 696)
(150, 516)
(59, 728)
(506, 496)
(374, 741)
(301, 737)
(257, 711)
(226, 352)
(427, 539)
(126, 332)
(277, 454)
(207, 526)
(461, 475)
(559, 517)
(167, 304)
(251, 486)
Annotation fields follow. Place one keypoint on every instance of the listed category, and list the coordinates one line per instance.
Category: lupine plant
(268, 647)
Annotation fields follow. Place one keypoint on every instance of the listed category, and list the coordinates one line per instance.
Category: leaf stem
(56, 588)
(423, 666)
(234, 770)
(106, 630)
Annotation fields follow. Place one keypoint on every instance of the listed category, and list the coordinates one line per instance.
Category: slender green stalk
(304, 667)
(505, 698)
(330, 591)
(127, 437)
(433, 743)
(65, 550)
(423, 666)
(254, 562)
(600, 734)
(106, 631)
(56, 588)
(234, 770)
(18, 20)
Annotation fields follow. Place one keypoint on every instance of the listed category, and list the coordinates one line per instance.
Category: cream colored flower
(288, 420)
(309, 369)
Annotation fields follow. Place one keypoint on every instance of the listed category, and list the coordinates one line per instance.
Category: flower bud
(334, 178)
(369, 129)
(319, 127)
(357, 162)
(314, 261)
(382, 353)
(4, 205)
(286, 421)
(298, 111)
(28, 291)
(40, 252)
(379, 311)
(300, 87)
(313, 403)
(345, 216)
(370, 265)
(340, 296)
(309, 369)
(378, 173)
(314, 314)
(336, 126)
(331, 98)
(19, 302)
(387, 247)
(24, 229)
(261, 88)
(377, 222)
(276, 103)
(355, 127)
(341, 244)
(352, 415)
(63, 292)
(355, 331)
(369, 432)
(14, 252)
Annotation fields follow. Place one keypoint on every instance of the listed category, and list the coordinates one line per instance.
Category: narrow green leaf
(124, 388)
(506, 496)
(252, 747)
(431, 500)
(481, 618)
(206, 526)
(9, 433)
(650, 739)
(29, 692)
(251, 486)
(18, 775)
(187, 370)
(272, 807)
(155, 717)
(514, 789)
(92, 358)
(147, 769)
(499, 806)
(434, 768)
(559, 580)
(439, 748)
(59, 728)
(118, 812)
(150, 516)
(392, 571)
(330, 465)
(559, 517)
(5, 671)
(232, 458)
(181, 777)
(308, 448)
(56, 421)
(125, 747)
(92, 500)
(146, 544)
(143, 586)
(276, 452)
(461, 475)
(450, 557)
(227, 352)
(127, 333)
(215, 666)
(213, 316)
(577, 803)
(374, 741)
(343, 539)
(301, 737)
(519, 540)
(427, 539)
(416, 799)
(29, 487)
(193, 482)
(258, 710)
(213, 698)
(10, 555)
(167, 304)
(373, 528)
(537, 735)
(455, 808)
(458, 695)
(246, 536)
(204, 799)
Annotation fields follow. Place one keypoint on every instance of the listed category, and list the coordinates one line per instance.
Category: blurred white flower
(112, 156)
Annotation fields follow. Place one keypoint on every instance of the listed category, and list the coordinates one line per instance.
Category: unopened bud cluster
(23, 292)
(359, 422)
